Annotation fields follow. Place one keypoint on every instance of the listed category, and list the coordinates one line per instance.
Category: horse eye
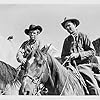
(39, 65)
(34, 55)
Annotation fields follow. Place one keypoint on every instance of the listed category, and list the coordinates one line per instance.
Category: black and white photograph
(50, 49)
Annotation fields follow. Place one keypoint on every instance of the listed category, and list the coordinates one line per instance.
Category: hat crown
(32, 27)
(73, 20)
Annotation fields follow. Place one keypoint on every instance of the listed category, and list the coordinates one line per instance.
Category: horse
(46, 76)
(90, 73)
(9, 82)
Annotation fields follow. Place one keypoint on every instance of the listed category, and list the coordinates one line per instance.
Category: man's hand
(67, 57)
(74, 55)
(24, 60)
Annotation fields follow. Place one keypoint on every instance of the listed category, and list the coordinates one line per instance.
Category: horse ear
(42, 50)
(45, 49)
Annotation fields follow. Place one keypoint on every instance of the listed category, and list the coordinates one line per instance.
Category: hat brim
(74, 21)
(35, 28)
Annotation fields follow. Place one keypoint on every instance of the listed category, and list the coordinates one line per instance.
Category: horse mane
(7, 73)
(67, 76)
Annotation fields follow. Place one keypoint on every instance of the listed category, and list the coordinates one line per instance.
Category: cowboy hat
(74, 21)
(33, 27)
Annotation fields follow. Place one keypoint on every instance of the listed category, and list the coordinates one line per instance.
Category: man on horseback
(28, 46)
(77, 45)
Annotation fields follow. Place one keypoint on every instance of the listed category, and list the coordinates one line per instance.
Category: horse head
(37, 73)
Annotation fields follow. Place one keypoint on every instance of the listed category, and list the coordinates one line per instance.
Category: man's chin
(71, 32)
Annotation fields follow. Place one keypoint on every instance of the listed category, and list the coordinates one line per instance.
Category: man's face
(33, 34)
(70, 27)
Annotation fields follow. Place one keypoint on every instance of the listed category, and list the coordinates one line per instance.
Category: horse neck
(58, 69)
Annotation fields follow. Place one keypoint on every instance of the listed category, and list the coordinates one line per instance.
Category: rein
(36, 80)
(76, 72)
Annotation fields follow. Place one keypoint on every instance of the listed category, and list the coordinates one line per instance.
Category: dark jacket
(81, 44)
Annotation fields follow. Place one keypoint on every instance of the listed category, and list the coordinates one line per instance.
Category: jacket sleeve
(89, 50)
(65, 49)
(20, 53)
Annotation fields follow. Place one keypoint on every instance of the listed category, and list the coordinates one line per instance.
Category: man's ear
(75, 24)
(38, 32)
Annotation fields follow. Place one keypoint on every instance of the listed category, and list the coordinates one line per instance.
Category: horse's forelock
(39, 55)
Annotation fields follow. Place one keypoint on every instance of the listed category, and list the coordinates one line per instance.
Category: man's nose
(32, 33)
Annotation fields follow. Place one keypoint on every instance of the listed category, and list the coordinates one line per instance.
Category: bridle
(36, 80)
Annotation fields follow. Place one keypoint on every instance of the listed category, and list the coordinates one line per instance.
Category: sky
(15, 18)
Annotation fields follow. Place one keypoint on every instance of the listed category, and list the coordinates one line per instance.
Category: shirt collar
(32, 41)
(75, 34)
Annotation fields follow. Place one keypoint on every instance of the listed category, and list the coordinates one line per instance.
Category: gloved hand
(74, 55)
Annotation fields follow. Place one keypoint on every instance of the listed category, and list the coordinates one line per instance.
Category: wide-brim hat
(33, 27)
(74, 21)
